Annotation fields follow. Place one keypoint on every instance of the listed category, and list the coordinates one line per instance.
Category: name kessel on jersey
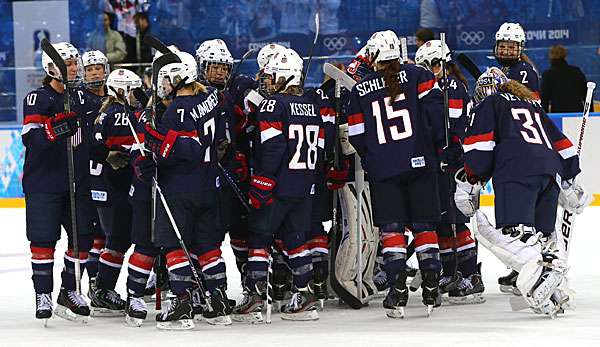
(302, 109)
(376, 84)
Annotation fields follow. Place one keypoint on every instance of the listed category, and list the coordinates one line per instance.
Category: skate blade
(506, 289)
(221, 320)
(472, 299)
(133, 322)
(182, 324)
(250, 318)
(321, 304)
(105, 312)
(429, 310)
(64, 313)
(397, 313)
(310, 315)
(45, 322)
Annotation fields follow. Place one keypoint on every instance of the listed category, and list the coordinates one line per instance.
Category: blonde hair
(111, 99)
(195, 88)
(557, 52)
(517, 89)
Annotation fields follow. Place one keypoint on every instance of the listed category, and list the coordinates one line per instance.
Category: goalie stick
(312, 48)
(60, 64)
(469, 65)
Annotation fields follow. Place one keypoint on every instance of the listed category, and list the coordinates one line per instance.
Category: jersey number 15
(390, 114)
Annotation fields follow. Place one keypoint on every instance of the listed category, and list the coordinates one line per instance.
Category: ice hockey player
(111, 184)
(508, 50)
(96, 71)
(291, 134)
(512, 141)
(47, 131)
(464, 285)
(390, 120)
(185, 143)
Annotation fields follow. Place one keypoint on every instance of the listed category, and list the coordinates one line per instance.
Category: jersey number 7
(390, 113)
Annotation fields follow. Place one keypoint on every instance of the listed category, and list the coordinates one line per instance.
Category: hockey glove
(336, 178)
(117, 159)
(451, 157)
(144, 168)
(60, 126)
(240, 166)
(261, 191)
(159, 140)
(573, 197)
(466, 196)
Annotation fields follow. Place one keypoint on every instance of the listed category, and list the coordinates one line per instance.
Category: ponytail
(108, 101)
(390, 70)
(453, 69)
(517, 89)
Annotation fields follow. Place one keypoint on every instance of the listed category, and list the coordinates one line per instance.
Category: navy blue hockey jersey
(291, 136)
(525, 74)
(511, 138)
(192, 164)
(393, 138)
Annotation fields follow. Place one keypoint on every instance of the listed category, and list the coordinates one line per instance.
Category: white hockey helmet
(511, 32)
(383, 46)
(286, 64)
(213, 52)
(266, 53)
(95, 58)
(430, 54)
(180, 74)
(488, 83)
(122, 81)
(67, 51)
(172, 48)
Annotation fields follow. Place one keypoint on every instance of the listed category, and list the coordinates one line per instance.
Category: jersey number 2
(403, 114)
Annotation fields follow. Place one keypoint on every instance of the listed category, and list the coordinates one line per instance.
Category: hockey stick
(469, 65)
(310, 53)
(339, 75)
(451, 210)
(166, 206)
(155, 43)
(269, 290)
(237, 67)
(236, 189)
(60, 64)
(404, 48)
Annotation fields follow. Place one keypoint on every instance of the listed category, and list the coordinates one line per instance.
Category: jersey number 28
(310, 134)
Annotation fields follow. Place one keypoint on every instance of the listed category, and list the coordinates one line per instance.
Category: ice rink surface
(489, 324)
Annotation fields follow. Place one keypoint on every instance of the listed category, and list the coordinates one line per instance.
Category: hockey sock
(180, 273)
(240, 250)
(446, 243)
(139, 268)
(258, 259)
(426, 247)
(299, 258)
(42, 263)
(394, 251)
(109, 268)
(466, 251)
(68, 273)
(320, 254)
(94, 256)
(212, 265)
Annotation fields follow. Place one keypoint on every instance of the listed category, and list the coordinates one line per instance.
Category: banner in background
(12, 156)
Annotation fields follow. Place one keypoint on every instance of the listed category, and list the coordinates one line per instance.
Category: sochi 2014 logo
(471, 37)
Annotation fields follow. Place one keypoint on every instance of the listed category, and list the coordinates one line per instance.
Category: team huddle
(170, 164)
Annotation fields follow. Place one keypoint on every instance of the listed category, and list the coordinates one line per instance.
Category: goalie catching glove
(60, 126)
(466, 196)
(573, 197)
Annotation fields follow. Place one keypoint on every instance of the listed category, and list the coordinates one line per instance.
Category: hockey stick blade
(339, 75)
(141, 96)
(56, 59)
(168, 58)
(157, 44)
(237, 67)
(469, 65)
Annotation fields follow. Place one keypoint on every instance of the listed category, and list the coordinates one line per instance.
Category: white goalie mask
(68, 52)
(122, 81)
(509, 34)
(285, 65)
(488, 84)
(215, 62)
(430, 55)
(179, 74)
(265, 54)
(92, 58)
(383, 46)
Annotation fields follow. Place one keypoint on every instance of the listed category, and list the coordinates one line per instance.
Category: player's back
(524, 73)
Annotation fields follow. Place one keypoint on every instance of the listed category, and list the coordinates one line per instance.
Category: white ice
(492, 323)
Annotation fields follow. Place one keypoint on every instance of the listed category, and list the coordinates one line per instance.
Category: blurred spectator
(423, 35)
(563, 85)
(142, 52)
(430, 16)
(108, 41)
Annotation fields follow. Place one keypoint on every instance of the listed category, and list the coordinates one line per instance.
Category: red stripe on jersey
(82, 255)
(357, 118)
(445, 242)
(34, 118)
(318, 241)
(209, 257)
(257, 252)
(321, 133)
(42, 253)
(455, 103)
(192, 133)
(425, 86)
(98, 243)
(297, 250)
(464, 238)
(264, 125)
(536, 95)
(141, 261)
(394, 240)
(562, 144)
(425, 238)
(176, 257)
(327, 111)
(126, 140)
(479, 138)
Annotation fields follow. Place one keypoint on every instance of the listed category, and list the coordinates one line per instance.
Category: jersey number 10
(403, 114)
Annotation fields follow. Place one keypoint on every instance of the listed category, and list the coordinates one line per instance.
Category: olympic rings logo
(472, 37)
(334, 43)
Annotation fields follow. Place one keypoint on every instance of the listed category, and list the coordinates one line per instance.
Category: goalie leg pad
(539, 280)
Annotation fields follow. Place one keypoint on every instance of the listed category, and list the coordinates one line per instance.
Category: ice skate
(508, 283)
(301, 307)
(396, 299)
(107, 303)
(249, 309)
(449, 283)
(136, 311)
(43, 307)
(430, 290)
(468, 291)
(220, 309)
(72, 306)
(91, 288)
(320, 286)
(179, 315)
